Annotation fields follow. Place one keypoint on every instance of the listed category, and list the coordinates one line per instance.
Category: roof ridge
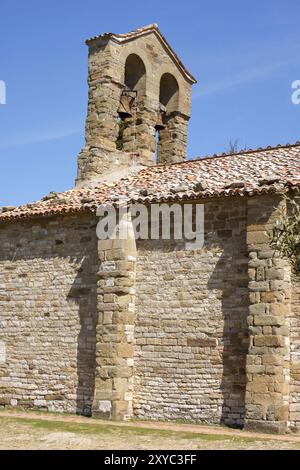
(129, 33)
(139, 31)
(166, 183)
(224, 154)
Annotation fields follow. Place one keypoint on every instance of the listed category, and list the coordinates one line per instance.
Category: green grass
(97, 429)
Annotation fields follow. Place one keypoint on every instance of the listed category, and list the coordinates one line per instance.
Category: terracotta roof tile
(246, 174)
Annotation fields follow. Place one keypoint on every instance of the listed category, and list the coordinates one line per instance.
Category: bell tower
(138, 104)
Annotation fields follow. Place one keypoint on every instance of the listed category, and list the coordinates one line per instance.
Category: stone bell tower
(138, 106)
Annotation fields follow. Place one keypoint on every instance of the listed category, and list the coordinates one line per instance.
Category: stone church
(147, 329)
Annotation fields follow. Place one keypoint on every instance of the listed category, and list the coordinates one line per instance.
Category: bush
(285, 235)
(120, 142)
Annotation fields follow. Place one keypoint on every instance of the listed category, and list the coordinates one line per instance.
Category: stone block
(125, 350)
(269, 341)
(258, 286)
(268, 320)
(272, 427)
(257, 309)
(257, 237)
(273, 359)
(120, 409)
(268, 297)
(255, 412)
(275, 274)
(280, 309)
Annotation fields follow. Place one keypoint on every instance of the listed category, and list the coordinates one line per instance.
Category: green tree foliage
(285, 235)
(122, 126)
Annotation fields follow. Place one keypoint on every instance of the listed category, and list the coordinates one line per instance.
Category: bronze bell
(159, 122)
(125, 106)
(160, 117)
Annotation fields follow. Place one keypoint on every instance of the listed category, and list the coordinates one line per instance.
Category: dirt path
(41, 430)
(193, 428)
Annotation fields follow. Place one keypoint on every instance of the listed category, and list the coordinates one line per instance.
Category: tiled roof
(246, 174)
(151, 28)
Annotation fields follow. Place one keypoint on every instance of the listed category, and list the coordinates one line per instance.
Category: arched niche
(169, 92)
(135, 74)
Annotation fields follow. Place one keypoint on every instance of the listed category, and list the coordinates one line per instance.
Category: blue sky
(245, 56)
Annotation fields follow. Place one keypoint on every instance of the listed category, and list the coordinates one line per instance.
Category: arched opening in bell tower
(132, 95)
(169, 92)
(166, 120)
(135, 74)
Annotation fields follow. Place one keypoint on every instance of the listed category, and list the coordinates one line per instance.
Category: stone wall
(268, 359)
(91, 161)
(151, 329)
(48, 313)
(295, 355)
(191, 331)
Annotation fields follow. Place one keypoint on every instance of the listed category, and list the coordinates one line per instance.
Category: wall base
(272, 427)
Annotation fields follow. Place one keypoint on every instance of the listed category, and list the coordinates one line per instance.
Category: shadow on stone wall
(72, 242)
(86, 297)
(226, 234)
(226, 304)
(232, 273)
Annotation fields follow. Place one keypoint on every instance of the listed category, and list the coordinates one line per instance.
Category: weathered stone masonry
(143, 65)
(191, 331)
(268, 361)
(48, 313)
(115, 329)
(295, 356)
(150, 329)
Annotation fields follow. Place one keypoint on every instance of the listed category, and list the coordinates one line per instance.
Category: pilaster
(115, 329)
(268, 360)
